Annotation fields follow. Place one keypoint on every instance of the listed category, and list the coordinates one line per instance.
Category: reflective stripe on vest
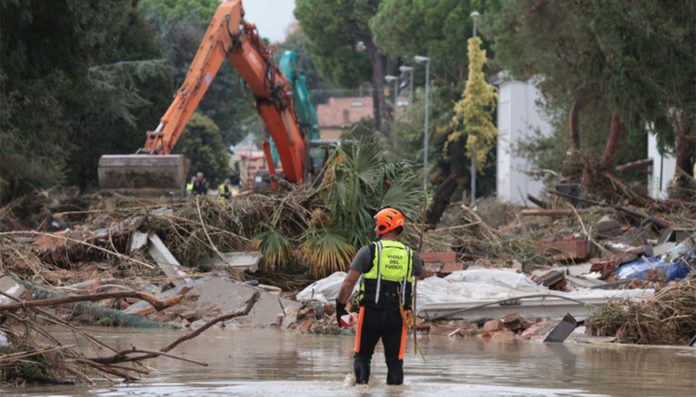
(392, 262)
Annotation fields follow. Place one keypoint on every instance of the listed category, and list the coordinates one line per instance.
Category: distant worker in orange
(386, 269)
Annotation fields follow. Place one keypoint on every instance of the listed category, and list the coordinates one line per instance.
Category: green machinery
(305, 111)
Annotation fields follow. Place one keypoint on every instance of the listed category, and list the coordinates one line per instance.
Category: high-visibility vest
(189, 187)
(391, 273)
(223, 190)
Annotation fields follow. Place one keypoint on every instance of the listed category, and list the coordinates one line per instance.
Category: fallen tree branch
(549, 212)
(122, 356)
(660, 223)
(135, 350)
(25, 354)
(634, 165)
(151, 299)
(205, 231)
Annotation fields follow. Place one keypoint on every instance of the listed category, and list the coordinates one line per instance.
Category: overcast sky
(272, 17)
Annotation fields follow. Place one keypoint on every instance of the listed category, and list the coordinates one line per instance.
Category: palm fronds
(326, 252)
(362, 183)
(275, 248)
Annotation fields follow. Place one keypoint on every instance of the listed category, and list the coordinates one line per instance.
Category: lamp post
(474, 16)
(426, 138)
(393, 79)
(409, 70)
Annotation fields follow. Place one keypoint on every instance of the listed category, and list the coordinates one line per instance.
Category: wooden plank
(550, 212)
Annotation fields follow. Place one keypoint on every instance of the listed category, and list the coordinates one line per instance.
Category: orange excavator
(154, 170)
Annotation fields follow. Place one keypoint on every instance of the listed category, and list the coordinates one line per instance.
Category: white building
(664, 166)
(519, 119)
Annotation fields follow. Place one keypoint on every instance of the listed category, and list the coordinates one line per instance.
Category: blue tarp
(676, 270)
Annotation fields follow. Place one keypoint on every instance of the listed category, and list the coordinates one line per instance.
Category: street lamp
(426, 60)
(409, 70)
(389, 78)
(474, 16)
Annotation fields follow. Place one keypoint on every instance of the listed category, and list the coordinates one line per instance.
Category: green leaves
(436, 28)
(333, 28)
(63, 100)
(405, 194)
(202, 144)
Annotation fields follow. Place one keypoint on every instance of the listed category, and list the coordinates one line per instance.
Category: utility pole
(426, 138)
(475, 16)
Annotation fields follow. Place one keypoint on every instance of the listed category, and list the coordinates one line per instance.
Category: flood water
(267, 362)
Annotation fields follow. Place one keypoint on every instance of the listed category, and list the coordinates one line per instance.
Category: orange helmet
(388, 219)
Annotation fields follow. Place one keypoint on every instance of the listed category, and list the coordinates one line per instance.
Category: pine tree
(473, 113)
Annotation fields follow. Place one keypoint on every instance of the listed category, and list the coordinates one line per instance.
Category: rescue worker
(200, 185)
(189, 186)
(387, 267)
(225, 190)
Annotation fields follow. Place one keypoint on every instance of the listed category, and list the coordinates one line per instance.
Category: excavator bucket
(143, 174)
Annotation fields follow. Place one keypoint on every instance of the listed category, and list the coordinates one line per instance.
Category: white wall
(663, 169)
(518, 119)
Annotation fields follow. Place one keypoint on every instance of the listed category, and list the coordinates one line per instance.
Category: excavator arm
(229, 38)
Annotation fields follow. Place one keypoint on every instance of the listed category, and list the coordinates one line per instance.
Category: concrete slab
(10, 287)
(231, 295)
(244, 260)
(581, 282)
(167, 262)
(663, 248)
(138, 241)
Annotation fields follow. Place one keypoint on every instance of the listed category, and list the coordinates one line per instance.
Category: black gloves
(340, 312)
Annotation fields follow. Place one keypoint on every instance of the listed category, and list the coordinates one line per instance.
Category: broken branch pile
(668, 318)
(33, 354)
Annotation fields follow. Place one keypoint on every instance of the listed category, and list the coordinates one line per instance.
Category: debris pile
(667, 318)
(493, 270)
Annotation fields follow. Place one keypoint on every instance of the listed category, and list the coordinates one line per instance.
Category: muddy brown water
(266, 362)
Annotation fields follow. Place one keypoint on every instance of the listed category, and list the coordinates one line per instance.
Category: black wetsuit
(380, 321)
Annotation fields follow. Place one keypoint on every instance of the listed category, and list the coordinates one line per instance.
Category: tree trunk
(609, 155)
(684, 150)
(441, 200)
(574, 119)
(613, 140)
(379, 105)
